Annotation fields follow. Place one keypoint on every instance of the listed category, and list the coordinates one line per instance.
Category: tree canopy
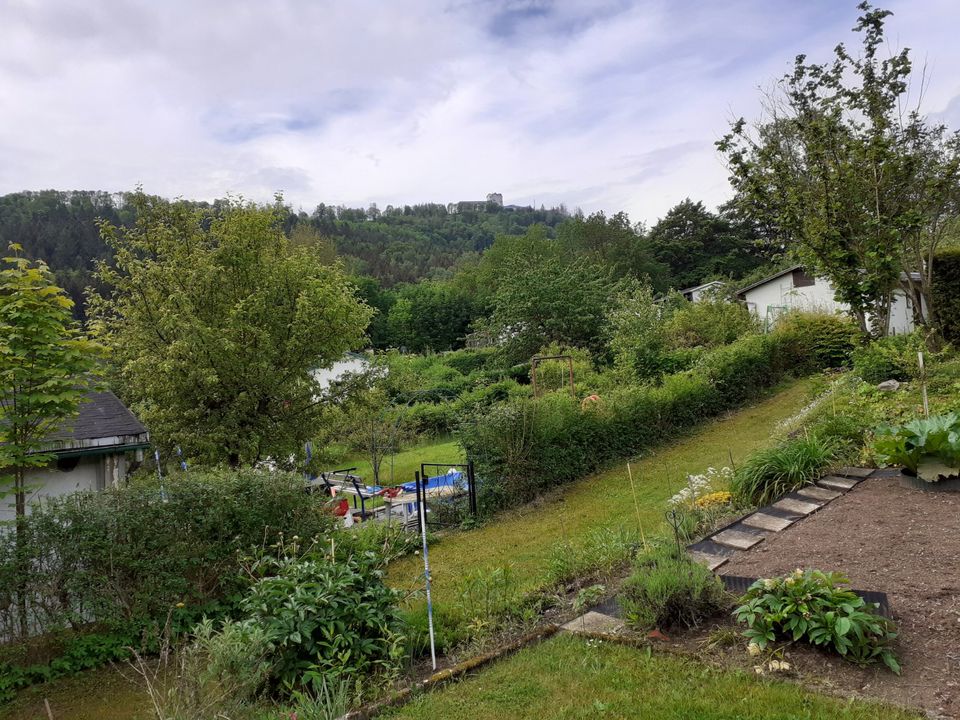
(215, 324)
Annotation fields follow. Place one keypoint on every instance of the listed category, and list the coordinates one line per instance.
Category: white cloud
(602, 105)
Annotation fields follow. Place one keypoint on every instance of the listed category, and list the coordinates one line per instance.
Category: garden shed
(94, 450)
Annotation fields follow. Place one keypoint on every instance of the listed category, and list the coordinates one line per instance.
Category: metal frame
(422, 477)
(537, 359)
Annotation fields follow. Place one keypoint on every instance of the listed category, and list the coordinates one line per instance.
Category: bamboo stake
(46, 704)
(923, 384)
(636, 507)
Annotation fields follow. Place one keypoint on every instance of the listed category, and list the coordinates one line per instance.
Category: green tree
(215, 322)
(858, 188)
(44, 372)
(636, 328)
(616, 243)
(431, 315)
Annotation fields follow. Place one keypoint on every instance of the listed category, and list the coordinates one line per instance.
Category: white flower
(753, 649)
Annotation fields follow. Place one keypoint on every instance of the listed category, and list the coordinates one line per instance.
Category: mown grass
(568, 677)
(407, 462)
(528, 539)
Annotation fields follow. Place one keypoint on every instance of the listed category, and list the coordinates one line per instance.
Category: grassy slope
(525, 539)
(568, 677)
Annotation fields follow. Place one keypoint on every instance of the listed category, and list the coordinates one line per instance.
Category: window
(801, 279)
(67, 464)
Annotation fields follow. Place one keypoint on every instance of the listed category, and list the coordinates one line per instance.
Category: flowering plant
(706, 483)
(811, 605)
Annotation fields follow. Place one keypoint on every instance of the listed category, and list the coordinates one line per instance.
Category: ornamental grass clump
(812, 606)
(667, 590)
(772, 472)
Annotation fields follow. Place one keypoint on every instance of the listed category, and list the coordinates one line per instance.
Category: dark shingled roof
(102, 415)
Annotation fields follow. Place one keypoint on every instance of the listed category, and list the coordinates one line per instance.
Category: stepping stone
(711, 561)
(819, 493)
(737, 539)
(856, 472)
(834, 482)
(796, 506)
(594, 623)
(763, 521)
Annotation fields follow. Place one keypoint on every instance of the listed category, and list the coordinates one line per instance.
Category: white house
(794, 289)
(695, 294)
(92, 451)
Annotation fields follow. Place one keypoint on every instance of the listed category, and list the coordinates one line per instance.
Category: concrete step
(818, 493)
(737, 539)
(593, 623)
(711, 561)
(800, 507)
(855, 472)
(835, 482)
(765, 521)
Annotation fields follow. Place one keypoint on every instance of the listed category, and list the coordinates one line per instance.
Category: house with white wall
(795, 289)
(700, 292)
(94, 450)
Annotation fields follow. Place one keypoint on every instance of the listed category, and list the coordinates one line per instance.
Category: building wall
(92, 472)
(767, 300)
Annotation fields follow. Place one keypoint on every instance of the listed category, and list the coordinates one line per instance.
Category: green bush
(107, 569)
(667, 591)
(818, 340)
(891, 358)
(771, 472)
(812, 606)
(710, 323)
(946, 299)
(322, 619)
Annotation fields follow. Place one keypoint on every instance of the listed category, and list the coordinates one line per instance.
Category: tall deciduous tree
(44, 371)
(858, 187)
(215, 323)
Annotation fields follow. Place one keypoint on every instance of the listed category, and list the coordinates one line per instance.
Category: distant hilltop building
(493, 199)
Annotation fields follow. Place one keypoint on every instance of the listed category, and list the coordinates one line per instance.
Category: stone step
(711, 561)
(737, 539)
(800, 507)
(593, 622)
(855, 472)
(835, 482)
(819, 493)
(765, 521)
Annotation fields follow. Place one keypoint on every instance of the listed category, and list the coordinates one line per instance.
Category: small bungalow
(694, 294)
(92, 451)
(795, 289)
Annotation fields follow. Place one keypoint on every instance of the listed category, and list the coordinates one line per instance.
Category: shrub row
(526, 446)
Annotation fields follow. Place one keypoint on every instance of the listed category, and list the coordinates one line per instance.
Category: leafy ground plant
(814, 607)
(929, 447)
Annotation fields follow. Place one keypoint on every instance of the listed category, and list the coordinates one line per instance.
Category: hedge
(526, 446)
(946, 292)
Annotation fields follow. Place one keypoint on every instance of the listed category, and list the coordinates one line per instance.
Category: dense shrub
(667, 590)
(946, 299)
(771, 472)
(813, 606)
(120, 562)
(890, 358)
(818, 340)
(710, 323)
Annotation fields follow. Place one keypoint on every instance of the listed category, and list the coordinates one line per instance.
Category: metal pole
(426, 574)
(472, 488)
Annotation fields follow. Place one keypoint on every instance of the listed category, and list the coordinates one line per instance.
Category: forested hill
(397, 245)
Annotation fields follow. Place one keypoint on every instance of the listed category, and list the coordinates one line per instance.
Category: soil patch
(900, 541)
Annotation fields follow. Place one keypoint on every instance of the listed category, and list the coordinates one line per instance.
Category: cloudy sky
(599, 104)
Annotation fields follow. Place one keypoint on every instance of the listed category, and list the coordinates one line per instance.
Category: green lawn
(526, 538)
(407, 462)
(568, 677)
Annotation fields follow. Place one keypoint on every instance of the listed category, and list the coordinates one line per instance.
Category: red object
(343, 507)
(390, 492)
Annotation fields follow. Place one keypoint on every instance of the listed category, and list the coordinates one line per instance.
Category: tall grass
(770, 473)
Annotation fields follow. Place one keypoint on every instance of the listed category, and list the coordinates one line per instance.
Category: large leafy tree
(858, 188)
(215, 322)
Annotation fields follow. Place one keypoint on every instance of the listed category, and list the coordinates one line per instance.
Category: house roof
(767, 279)
(102, 421)
(700, 287)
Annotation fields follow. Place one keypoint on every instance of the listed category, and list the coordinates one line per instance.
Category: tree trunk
(23, 563)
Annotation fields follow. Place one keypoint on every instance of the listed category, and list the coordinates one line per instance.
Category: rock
(889, 386)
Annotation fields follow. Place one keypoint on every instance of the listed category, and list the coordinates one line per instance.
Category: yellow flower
(714, 499)
(180, 605)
